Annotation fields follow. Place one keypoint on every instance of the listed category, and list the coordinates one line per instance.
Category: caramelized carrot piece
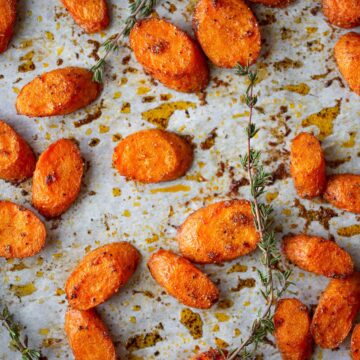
(182, 280)
(219, 232)
(336, 311)
(7, 22)
(318, 255)
(57, 178)
(355, 343)
(169, 55)
(22, 234)
(292, 330)
(17, 160)
(63, 91)
(227, 31)
(342, 13)
(100, 274)
(152, 156)
(91, 15)
(273, 3)
(307, 165)
(212, 354)
(88, 336)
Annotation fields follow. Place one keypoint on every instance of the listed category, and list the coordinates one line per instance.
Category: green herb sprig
(274, 277)
(13, 328)
(141, 8)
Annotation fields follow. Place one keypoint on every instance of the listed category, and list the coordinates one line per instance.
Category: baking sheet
(298, 79)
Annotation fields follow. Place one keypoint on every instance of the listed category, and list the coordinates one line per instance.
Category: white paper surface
(141, 213)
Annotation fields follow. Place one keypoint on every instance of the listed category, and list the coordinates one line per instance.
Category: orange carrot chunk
(169, 55)
(58, 92)
(182, 280)
(100, 274)
(227, 31)
(152, 156)
(22, 234)
(7, 22)
(88, 336)
(318, 255)
(57, 178)
(219, 232)
(273, 3)
(336, 311)
(342, 13)
(91, 15)
(355, 343)
(212, 354)
(307, 165)
(17, 160)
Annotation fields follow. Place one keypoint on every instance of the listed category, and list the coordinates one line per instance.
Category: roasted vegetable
(57, 178)
(152, 156)
(212, 354)
(17, 160)
(307, 165)
(347, 56)
(100, 274)
(219, 232)
(292, 330)
(273, 3)
(7, 22)
(169, 55)
(336, 311)
(355, 343)
(22, 234)
(318, 255)
(182, 280)
(227, 31)
(342, 13)
(343, 191)
(88, 336)
(58, 92)
(91, 15)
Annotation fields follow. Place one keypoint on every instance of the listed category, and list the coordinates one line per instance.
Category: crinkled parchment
(299, 79)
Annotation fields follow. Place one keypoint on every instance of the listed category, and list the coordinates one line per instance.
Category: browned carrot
(22, 234)
(100, 274)
(63, 91)
(182, 280)
(355, 343)
(88, 336)
(57, 178)
(7, 22)
(211, 354)
(17, 160)
(342, 13)
(273, 3)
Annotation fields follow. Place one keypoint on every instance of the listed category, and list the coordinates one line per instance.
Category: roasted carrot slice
(57, 178)
(273, 3)
(17, 160)
(88, 336)
(182, 280)
(212, 354)
(91, 15)
(336, 311)
(100, 274)
(152, 156)
(318, 255)
(22, 234)
(347, 56)
(307, 165)
(343, 191)
(292, 330)
(227, 31)
(342, 13)
(355, 343)
(7, 22)
(169, 55)
(219, 232)
(58, 92)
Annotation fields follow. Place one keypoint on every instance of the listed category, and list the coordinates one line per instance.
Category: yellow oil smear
(142, 90)
(116, 192)
(49, 35)
(27, 62)
(152, 239)
(125, 108)
(160, 115)
(143, 341)
(271, 196)
(302, 88)
(44, 331)
(25, 44)
(351, 142)
(192, 321)
(171, 189)
(222, 317)
(349, 231)
(103, 129)
(237, 268)
(23, 290)
(220, 343)
(324, 120)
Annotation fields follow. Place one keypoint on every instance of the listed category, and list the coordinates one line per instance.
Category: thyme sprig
(141, 8)
(274, 277)
(13, 328)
